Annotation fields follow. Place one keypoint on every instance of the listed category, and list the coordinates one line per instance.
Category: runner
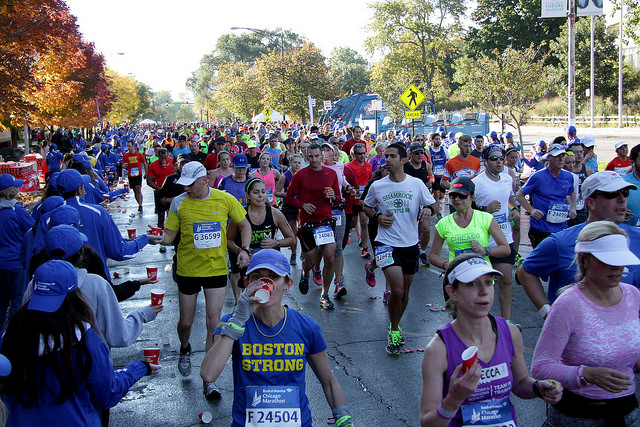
(439, 157)
(200, 216)
(223, 170)
(363, 171)
(136, 167)
(418, 167)
(259, 337)
(403, 201)
(158, 171)
(273, 179)
(481, 395)
(621, 163)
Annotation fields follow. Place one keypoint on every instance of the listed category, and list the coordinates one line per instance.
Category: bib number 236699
(207, 235)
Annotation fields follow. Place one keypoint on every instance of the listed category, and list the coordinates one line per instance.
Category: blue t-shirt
(177, 151)
(280, 360)
(544, 190)
(235, 188)
(275, 156)
(633, 201)
(554, 259)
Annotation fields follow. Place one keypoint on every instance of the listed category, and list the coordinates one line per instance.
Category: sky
(161, 42)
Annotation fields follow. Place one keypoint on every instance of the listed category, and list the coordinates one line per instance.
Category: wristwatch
(488, 250)
(246, 249)
(277, 244)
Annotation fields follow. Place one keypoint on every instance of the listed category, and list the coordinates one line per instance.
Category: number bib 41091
(207, 235)
(272, 406)
(323, 235)
(557, 213)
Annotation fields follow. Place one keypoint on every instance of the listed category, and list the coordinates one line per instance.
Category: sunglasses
(360, 153)
(611, 194)
(419, 139)
(458, 196)
(494, 158)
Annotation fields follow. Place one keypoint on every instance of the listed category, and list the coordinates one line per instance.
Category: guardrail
(627, 120)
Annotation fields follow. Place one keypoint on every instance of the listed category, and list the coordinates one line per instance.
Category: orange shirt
(455, 168)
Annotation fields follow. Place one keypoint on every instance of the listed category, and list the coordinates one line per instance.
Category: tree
(239, 92)
(126, 102)
(145, 108)
(348, 69)
(508, 82)
(631, 27)
(510, 23)
(606, 59)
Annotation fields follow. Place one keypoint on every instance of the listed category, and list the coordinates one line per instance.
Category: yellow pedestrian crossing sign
(267, 111)
(412, 114)
(412, 97)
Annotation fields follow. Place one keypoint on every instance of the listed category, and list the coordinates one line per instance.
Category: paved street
(380, 389)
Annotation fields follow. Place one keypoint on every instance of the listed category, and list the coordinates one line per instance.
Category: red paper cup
(157, 296)
(126, 185)
(152, 355)
(152, 273)
(326, 191)
(205, 417)
(265, 291)
(156, 231)
(132, 233)
(105, 197)
(469, 356)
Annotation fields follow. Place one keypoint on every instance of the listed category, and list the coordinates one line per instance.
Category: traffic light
(167, 105)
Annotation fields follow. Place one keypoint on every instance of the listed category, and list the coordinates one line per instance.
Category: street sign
(267, 119)
(267, 111)
(412, 97)
(313, 102)
(412, 114)
(376, 104)
(327, 105)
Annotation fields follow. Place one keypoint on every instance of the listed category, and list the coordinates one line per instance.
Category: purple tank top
(489, 405)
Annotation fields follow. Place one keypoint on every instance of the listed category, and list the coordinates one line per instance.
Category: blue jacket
(54, 160)
(14, 222)
(103, 234)
(103, 389)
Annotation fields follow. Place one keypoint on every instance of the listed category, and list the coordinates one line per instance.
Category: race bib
(438, 170)
(384, 255)
(323, 235)
(134, 171)
(361, 187)
(503, 222)
(464, 251)
(272, 406)
(207, 235)
(270, 194)
(557, 213)
(337, 215)
(488, 414)
(579, 205)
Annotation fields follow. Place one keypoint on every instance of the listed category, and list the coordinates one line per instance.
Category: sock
(185, 350)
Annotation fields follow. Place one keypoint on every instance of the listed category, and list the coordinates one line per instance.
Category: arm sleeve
(555, 335)
(107, 386)
(117, 248)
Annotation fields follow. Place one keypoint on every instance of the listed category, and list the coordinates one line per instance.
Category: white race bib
(135, 171)
(270, 194)
(438, 170)
(337, 215)
(207, 235)
(361, 187)
(557, 213)
(488, 414)
(323, 235)
(503, 222)
(384, 255)
(272, 406)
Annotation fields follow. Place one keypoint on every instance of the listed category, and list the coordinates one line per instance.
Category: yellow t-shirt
(459, 239)
(202, 224)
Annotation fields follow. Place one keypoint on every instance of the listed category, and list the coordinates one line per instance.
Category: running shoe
(393, 342)
(518, 264)
(325, 302)
(303, 286)
(365, 253)
(210, 391)
(370, 277)
(184, 362)
(424, 261)
(139, 208)
(386, 296)
(317, 277)
(163, 249)
(517, 325)
(341, 290)
(401, 336)
(292, 260)
(302, 257)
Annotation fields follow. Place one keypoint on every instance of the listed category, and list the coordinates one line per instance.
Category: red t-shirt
(347, 146)
(211, 162)
(161, 171)
(363, 175)
(619, 166)
(134, 163)
(309, 186)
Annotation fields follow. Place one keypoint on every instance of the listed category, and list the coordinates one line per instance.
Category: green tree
(414, 36)
(145, 108)
(239, 92)
(348, 69)
(606, 59)
(514, 23)
(126, 102)
(509, 82)
(631, 26)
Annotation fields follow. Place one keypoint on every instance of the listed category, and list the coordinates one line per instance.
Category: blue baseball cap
(51, 203)
(443, 134)
(54, 146)
(104, 146)
(69, 180)
(493, 134)
(240, 161)
(508, 135)
(7, 180)
(5, 366)
(270, 259)
(452, 134)
(542, 143)
(64, 214)
(571, 129)
(53, 181)
(52, 281)
(64, 240)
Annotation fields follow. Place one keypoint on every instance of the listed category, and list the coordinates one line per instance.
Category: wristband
(232, 330)
(246, 249)
(444, 413)
(544, 310)
(536, 390)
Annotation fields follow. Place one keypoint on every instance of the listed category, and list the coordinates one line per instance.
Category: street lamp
(281, 35)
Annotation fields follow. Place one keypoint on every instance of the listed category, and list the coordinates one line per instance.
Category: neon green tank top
(459, 239)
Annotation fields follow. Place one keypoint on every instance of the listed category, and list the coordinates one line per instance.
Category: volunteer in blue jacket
(54, 161)
(96, 223)
(68, 378)
(271, 344)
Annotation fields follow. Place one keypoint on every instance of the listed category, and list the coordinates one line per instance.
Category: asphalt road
(380, 389)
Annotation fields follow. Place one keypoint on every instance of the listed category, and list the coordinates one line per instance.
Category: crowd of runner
(228, 199)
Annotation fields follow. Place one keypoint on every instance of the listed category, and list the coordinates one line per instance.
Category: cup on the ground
(132, 233)
(205, 417)
(152, 355)
(469, 356)
(265, 291)
(152, 273)
(157, 296)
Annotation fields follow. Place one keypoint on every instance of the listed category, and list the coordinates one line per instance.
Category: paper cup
(156, 231)
(152, 273)
(105, 197)
(126, 185)
(157, 296)
(152, 355)
(469, 356)
(205, 417)
(265, 291)
(326, 191)
(132, 233)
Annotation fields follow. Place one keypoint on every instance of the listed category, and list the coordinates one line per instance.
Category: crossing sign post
(267, 112)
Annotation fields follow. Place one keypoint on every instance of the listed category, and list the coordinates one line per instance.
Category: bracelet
(536, 390)
(583, 380)
(444, 413)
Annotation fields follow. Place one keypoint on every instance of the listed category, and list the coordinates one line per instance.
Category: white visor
(611, 250)
(469, 270)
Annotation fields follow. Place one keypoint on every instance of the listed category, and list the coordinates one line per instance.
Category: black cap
(462, 185)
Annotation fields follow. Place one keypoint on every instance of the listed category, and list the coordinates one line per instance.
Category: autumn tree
(126, 101)
(239, 92)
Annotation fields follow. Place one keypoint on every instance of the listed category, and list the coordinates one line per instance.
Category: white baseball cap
(469, 270)
(191, 172)
(606, 181)
(620, 144)
(588, 141)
